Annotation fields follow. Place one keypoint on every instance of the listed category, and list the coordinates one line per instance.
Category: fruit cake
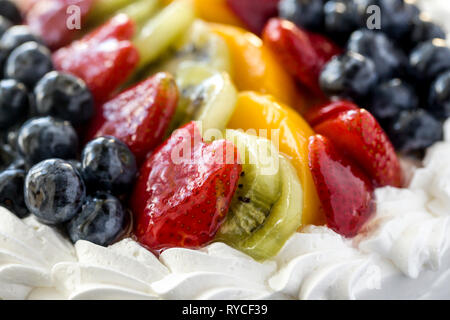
(224, 149)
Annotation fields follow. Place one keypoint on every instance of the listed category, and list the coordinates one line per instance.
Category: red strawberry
(358, 135)
(303, 53)
(48, 19)
(345, 191)
(184, 191)
(140, 115)
(254, 13)
(104, 59)
(320, 113)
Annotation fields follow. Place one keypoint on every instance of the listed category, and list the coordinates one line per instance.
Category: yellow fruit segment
(255, 111)
(215, 11)
(255, 68)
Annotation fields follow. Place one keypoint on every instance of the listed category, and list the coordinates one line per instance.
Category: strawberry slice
(345, 191)
(49, 18)
(303, 53)
(359, 136)
(104, 59)
(254, 13)
(322, 112)
(184, 191)
(140, 115)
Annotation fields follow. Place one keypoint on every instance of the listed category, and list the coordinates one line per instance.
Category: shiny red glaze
(254, 13)
(104, 59)
(322, 112)
(304, 54)
(48, 19)
(345, 192)
(358, 135)
(181, 202)
(139, 116)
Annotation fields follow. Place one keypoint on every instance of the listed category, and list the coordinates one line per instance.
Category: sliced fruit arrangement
(254, 13)
(199, 46)
(139, 116)
(277, 122)
(267, 207)
(194, 187)
(357, 134)
(349, 157)
(303, 53)
(58, 22)
(109, 49)
(207, 96)
(345, 191)
(184, 191)
(201, 63)
(117, 49)
(255, 67)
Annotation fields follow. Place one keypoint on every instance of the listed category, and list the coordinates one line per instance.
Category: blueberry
(439, 97)
(14, 102)
(414, 131)
(54, 191)
(64, 96)
(100, 220)
(304, 13)
(7, 156)
(350, 75)
(396, 18)
(429, 59)
(341, 19)
(76, 164)
(9, 10)
(45, 138)
(17, 35)
(388, 60)
(108, 165)
(28, 63)
(423, 30)
(392, 97)
(11, 192)
(5, 24)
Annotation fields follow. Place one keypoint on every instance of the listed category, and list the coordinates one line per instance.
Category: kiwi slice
(267, 207)
(206, 95)
(199, 45)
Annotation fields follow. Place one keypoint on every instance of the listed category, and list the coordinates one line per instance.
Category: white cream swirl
(124, 270)
(412, 226)
(216, 272)
(28, 251)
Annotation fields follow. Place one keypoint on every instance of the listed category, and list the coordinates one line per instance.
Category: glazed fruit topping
(303, 53)
(139, 116)
(345, 191)
(254, 13)
(49, 18)
(109, 49)
(184, 191)
(357, 135)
